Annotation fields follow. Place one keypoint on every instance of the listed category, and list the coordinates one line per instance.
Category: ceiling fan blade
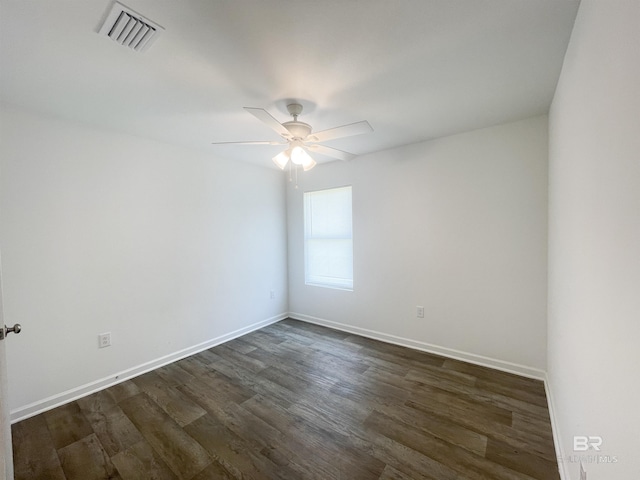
(266, 118)
(349, 130)
(331, 152)
(249, 143)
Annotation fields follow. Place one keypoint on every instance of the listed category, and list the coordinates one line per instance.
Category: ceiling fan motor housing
(299, 130)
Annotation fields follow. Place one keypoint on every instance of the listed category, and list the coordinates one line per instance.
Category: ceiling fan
(300, 140)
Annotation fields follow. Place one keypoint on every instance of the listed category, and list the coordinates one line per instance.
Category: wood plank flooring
(298, 401)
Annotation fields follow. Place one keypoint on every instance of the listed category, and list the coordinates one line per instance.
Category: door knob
(4, 331)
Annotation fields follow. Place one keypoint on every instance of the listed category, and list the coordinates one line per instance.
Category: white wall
(594, 240)
(457, 225)
(163, 247)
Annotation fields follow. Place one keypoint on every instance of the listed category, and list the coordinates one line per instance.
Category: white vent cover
(129, 28)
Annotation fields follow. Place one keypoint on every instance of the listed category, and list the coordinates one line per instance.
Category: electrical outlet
(104, 340)
(420, 311)
(272, 294)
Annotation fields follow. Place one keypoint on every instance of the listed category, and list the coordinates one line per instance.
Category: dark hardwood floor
(298, 401)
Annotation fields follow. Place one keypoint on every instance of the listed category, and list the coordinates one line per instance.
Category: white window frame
(324, 270)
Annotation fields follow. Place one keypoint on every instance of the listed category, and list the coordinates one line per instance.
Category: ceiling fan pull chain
(290, 179)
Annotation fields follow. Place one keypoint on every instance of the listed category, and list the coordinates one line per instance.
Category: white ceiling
(415, 69)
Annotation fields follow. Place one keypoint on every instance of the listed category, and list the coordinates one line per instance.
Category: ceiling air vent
(129, 28)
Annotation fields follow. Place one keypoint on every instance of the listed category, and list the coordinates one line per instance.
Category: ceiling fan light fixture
(281, 159)
(309, 164)
(299, 156)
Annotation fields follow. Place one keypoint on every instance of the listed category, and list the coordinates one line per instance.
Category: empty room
(360, 239)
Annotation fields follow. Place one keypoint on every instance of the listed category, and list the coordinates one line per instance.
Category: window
(328, 238)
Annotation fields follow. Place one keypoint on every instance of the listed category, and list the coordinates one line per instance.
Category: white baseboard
(483, 361)
(555, 429)
(54, 401)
